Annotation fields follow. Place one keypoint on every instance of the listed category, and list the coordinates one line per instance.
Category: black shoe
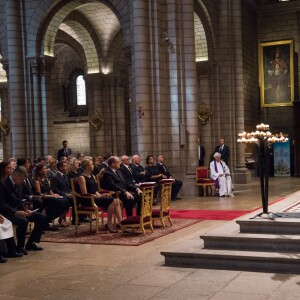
(118, 226)
(50, 228)
(33, 247)
(78, 224)
(177, 198)
(22, 251)
(2, 260)
(13, 254)
(85, 220)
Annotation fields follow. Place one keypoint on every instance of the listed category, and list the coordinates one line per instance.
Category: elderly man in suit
(113, 181)
(223, 150)
(64, 151)
(127, 171)
(14, 210)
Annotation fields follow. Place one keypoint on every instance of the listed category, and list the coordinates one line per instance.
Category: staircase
(259, 245)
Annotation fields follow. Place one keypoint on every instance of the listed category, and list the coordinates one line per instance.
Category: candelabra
(263, 139)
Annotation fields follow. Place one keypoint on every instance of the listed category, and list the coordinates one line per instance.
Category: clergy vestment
(219, 171)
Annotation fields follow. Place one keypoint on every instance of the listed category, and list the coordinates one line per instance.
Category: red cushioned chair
(84, 204)
(203, 180)
(145, 218)
(165, 204)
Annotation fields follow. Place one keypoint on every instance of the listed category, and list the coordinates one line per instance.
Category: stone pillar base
(241, 176)
(188, 187)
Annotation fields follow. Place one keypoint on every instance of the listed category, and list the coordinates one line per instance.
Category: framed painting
(276, 73)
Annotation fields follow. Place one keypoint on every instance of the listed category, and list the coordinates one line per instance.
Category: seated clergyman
(220, 172)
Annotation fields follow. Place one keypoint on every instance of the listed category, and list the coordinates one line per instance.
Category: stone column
(141, 117)
(34, 110)
(47, 105)
(183, 90)
(16, 78)
(231, 105)
(5, 138)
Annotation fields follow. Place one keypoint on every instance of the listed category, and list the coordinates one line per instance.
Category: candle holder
(263, 139)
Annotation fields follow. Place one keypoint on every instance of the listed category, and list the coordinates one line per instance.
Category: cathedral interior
(147, 77)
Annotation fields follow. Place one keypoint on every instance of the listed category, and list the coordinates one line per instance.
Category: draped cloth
(221, 173)
(6, 230)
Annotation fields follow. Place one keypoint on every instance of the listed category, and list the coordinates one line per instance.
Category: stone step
(235, 260)
(253, 242)
(277, 226)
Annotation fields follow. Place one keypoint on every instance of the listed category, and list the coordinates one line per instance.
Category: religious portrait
(276, 70)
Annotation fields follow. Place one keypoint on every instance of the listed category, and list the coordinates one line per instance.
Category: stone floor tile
(253, 284)
(238, 296)
(161, 277)
(191, 289)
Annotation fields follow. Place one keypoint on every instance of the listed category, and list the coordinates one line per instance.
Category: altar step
(236, 260)
(260, 245)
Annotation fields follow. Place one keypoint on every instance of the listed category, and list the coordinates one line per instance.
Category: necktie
(130, 170)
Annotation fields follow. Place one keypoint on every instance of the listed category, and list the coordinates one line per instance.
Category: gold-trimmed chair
(203, 180)
(84, 204)
(165, 204)
(145, 218)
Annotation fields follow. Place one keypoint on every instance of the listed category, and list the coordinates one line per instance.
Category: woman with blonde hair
(88, 184)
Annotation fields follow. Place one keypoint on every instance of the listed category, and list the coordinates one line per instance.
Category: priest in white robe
(219, 171)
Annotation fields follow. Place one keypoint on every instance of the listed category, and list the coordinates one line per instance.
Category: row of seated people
(55, 199)
(134, 173)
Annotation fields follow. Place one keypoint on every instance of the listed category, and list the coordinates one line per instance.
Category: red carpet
(208, 214)
(213, 214)
(67, 235)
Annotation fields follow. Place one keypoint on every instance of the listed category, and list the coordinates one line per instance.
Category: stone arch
(49, 15)
(64, 38)
(203, 14)
(79, 33)
(3, 39)
(200, 40)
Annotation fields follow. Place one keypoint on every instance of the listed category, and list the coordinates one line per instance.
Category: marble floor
(74, 271)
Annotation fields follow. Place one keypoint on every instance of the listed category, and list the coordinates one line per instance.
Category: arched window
(80, 90)
(77, 99)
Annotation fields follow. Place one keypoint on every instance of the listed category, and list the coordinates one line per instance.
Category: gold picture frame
(276, 73)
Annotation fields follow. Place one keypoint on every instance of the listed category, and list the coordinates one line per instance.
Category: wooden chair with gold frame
(203, 180)
(145, 217)
(84, 204)
(165, 204)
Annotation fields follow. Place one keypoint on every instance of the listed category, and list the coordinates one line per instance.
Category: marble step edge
(253, 236)
(280, 227)
(254, 243)
(235, 260)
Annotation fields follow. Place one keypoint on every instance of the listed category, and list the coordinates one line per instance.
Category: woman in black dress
(43, 188)
(88, 184)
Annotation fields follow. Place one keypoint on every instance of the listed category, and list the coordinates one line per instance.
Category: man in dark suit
(14, 210)
(223, 150)
(138, 170)
(177, 184)
(201, 154)
(64, 152)
(127, 171)
(114, 181)
(60, 185)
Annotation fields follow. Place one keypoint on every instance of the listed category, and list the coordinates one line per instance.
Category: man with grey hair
(114, 181)
(220, 172)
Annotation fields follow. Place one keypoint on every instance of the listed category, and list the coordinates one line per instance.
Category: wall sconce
(96, 120)
(204, 114)
(4, 125)
(166, 37)
(140, 112)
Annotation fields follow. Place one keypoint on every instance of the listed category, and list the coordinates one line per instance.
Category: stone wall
(77, 134)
